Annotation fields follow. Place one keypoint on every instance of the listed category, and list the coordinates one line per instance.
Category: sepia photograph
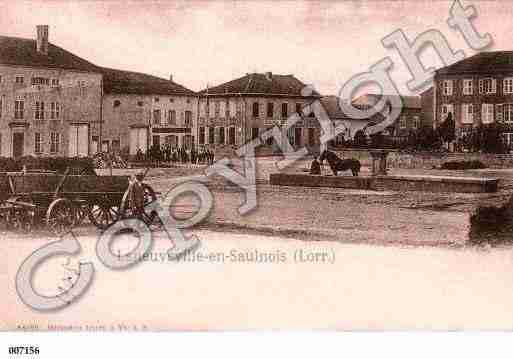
(255, 165)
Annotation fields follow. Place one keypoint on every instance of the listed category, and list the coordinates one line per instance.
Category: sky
(323, 43)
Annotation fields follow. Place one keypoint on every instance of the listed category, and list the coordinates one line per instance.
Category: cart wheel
(19, 218)
(102, 216)
(61, 216)
(151, 218)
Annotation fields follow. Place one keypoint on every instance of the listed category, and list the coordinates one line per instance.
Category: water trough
(390, 183)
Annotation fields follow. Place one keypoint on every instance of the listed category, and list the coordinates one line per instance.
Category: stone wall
(428, 160)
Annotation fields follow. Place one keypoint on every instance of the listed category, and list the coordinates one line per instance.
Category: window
(447, 87)
(231, 136)
(82, 87)
(40, 81)
(116, 103)
(487, 113)
(19, 109)
(284, 110)
(140, 103)
(157, 99)
(171, 117)
(188, 118)
(202, 135)
(298, 108)
(467, 86)
(211, 135)
(221, 135)
(55, 110)
(256, 110)
(55, 82)
(54, 142)
(270, 109)
(38, 143)
(227, 111)
(217, 106)
(446, 110)
(19, 80)
(508, 85)
(402, 121)
(40, 110)
(115, 145)
(508, 112)
(416, 122)
(1, 103)
(156, 117)
(487, 86)
(508, 139)
(254, 133)
(467, 113)
(0, 78)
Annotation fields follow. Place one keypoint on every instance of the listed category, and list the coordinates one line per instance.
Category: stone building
(410, 118)
(141, 110)
(50, 99)
(237, 111)
(477, 91)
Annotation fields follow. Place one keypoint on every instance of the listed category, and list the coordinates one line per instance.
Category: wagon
(62, 201)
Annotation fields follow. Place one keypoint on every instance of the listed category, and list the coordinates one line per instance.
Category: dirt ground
(344, 214)
(305, 258)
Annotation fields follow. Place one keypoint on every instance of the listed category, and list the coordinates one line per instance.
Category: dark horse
(337, 164)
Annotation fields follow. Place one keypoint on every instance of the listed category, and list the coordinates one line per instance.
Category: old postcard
(244, 165)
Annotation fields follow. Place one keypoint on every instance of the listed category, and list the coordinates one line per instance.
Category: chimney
(42, 39)
(171, 77)
(269, 76)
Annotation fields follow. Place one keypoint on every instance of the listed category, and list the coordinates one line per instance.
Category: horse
(337, 164)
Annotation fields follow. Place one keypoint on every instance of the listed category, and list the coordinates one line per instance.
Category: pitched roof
(484, 62)
(22, 52)
(332, 106)
(373, 99)
(135, 83)
(260, 84)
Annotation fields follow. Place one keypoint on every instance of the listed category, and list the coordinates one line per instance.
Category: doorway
(18, 143)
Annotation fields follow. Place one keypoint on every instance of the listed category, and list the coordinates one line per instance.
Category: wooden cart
(63, 201)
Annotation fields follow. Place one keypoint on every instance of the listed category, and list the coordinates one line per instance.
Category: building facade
(476, 91)
(410, 118)
(50, 99)
(141, 111)
(238, 111)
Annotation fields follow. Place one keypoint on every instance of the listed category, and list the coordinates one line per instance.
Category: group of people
(168, 153)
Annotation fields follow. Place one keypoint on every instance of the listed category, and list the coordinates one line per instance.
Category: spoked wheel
(103, 215)
(19, 217)
(148, 216)
(61, 216)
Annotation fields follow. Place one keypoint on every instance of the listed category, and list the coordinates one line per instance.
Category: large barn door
(138, 140)
(78, 140)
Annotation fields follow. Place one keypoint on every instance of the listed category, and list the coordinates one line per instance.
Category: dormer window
(117, 103)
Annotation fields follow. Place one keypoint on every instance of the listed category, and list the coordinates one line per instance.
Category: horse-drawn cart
(63, 201)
